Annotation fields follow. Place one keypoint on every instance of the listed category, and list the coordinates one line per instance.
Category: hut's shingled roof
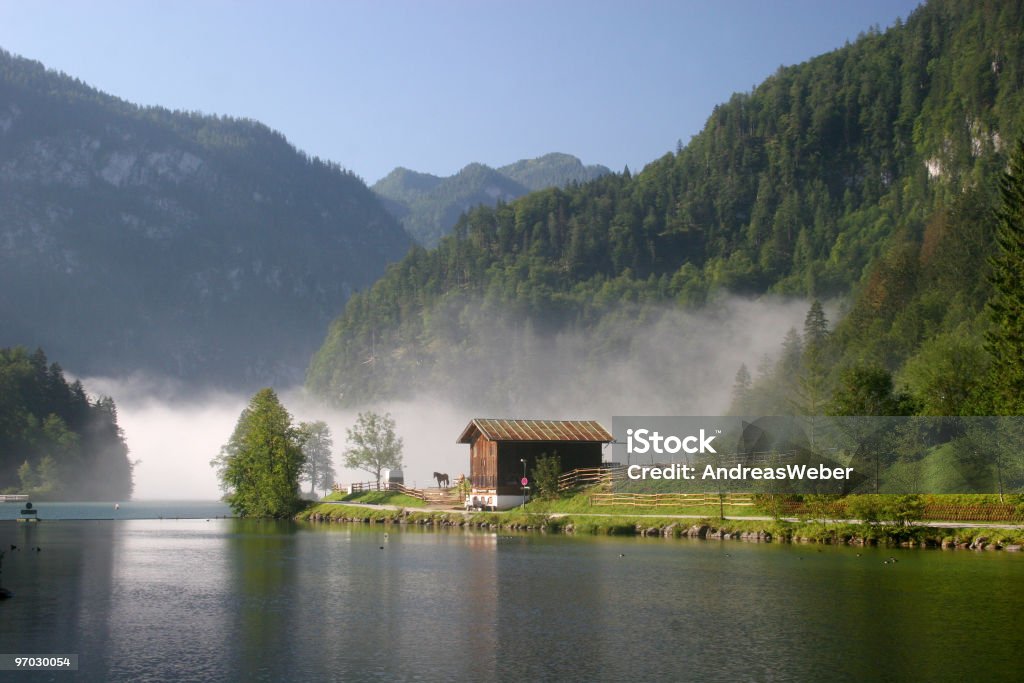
(536, 430)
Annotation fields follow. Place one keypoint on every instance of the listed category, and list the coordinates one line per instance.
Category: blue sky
(434, 85)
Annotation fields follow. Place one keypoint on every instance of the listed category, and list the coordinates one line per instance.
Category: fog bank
(676, 363)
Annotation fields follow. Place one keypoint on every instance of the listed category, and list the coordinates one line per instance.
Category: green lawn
(580, 502)
(623, 519)
(377, 498)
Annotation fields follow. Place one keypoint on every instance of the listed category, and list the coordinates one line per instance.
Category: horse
(442, 479)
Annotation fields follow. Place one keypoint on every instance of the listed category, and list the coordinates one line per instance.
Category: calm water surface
(235, 600)
(146, 509)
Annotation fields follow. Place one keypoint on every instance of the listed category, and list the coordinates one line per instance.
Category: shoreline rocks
(700, 531)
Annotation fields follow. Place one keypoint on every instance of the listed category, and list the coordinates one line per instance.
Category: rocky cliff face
(172, 244)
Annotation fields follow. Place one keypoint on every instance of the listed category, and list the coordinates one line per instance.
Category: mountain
(429, 206)
(202, 248)
(551, 170)
(833, 178)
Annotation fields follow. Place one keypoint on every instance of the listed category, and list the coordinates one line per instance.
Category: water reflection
(258, 601)
(361, 603)
(170, 599)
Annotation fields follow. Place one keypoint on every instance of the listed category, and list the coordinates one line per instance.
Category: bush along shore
(758, 531)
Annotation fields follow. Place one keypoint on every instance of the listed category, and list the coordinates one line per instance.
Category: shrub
(545, 476)
(905, 509)
(867, 508)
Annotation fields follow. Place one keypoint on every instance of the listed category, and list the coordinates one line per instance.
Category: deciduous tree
(318, 469)
(259, 466)
(373, 445)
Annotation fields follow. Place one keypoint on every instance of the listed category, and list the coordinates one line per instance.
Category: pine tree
(741, 391)
(1005, 341)
(792, 352)
(815, 328)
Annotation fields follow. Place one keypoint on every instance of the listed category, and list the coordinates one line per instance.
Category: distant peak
(428, 206)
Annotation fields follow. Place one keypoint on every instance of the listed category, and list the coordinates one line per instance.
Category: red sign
(524, 481)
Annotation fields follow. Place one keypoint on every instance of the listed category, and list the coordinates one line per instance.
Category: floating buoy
(117, 506)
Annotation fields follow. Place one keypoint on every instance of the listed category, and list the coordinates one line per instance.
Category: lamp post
(523, 482)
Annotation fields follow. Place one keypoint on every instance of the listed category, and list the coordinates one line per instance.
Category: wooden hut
(501, 449)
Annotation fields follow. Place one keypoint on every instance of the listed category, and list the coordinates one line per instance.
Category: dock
(13, 498)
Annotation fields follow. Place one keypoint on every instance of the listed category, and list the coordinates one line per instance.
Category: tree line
(55, 441)
(268, 456)
(935, 330)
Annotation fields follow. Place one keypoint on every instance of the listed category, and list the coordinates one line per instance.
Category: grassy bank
(377, 498)
(1008, 508)
(582, 503)
(909, 535)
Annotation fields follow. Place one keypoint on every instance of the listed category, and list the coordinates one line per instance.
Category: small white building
(390, 477)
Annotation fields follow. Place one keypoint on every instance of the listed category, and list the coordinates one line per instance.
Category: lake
(237, 600)
(146, 509)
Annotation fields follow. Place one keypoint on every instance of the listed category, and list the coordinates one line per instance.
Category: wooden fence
(430, 496)
(676, 500)
(933, 512)
(360, 487)
(585, 476)
(991, 512)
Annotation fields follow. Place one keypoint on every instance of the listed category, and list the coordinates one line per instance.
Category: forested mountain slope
(807, 186)
(202, 248)
(55, 442)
